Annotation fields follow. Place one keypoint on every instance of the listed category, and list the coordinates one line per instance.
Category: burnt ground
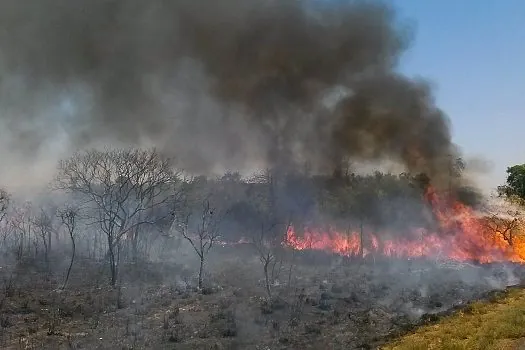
(324, 303)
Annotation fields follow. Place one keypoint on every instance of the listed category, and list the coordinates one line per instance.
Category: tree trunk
(49, 241)
(46, 248)
(274, 276)
(73, 247)
(290, 270)
(113, 268)
(132, 251)
(112, 262)
(117, 263)
(95, 246)
(267, 277)
(21, 247)
(135, 246)
(201, 270)
(361, 239)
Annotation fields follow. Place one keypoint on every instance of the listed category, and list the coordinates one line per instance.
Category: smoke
(220, 84)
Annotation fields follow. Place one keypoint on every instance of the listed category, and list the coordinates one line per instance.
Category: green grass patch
(498, 323)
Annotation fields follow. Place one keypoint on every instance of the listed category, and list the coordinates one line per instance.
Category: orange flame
(469, 239)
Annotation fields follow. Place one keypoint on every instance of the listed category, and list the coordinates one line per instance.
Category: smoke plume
(220, 84)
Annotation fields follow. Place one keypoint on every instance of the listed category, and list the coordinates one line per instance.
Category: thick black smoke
(221, 84)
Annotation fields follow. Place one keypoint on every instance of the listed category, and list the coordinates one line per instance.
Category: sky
(473, 52)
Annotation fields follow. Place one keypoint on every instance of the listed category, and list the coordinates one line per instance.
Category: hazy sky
(474, 52)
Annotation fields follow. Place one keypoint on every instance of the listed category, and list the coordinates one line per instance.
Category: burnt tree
(505, 227)
(5, 200)
(201, 228)
(43, 223)
(121, 190)
(68, 217)
(273, 222)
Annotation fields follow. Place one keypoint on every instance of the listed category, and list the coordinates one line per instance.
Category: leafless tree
(68, 217)
(266, 243)
(274, 223)
(506, 227)
(43, 224)
(21, 225)
(5, 200)
(201, 233)
(122, 189)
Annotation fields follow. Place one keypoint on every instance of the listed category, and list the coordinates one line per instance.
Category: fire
(463, 236)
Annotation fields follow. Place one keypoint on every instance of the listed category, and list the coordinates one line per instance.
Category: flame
(463, 236)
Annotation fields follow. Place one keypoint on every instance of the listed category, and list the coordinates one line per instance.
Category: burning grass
(462, 235)
(493, 324)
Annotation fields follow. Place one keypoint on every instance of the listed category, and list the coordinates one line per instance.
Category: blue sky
(473, 51)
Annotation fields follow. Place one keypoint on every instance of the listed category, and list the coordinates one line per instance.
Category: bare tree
(122, 189)
(504, 218)
(274, 223)
(203, 232)
(506, 227)
(43, 224)
(5, 200)
(68, 217)
(266, 243)
(21, 225)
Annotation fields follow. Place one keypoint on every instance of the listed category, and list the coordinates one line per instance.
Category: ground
(324, 302)
(498, 323)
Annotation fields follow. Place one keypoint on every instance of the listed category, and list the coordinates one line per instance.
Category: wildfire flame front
(470, 238)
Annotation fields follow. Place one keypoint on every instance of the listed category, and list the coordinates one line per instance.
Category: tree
(267, 242)
(21, 224)
(4, 204)
(272, 221)
(68, 217)
(504, 218)
(43, 224)
(202, 233)
(506, 227)
(515, 184)
(122, 189)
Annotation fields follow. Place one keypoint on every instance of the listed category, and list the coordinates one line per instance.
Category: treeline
(120, 205)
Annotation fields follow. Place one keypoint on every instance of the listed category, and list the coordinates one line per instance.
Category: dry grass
(495, 324)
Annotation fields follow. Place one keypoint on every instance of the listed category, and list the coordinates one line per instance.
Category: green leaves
(515, 184)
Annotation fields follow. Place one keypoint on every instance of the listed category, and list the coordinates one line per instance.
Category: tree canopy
(515, 184)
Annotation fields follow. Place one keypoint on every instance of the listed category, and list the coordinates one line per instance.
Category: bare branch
(68, 216)
(202, 231)
(123, 189)
(504, 227)
(5, 200)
